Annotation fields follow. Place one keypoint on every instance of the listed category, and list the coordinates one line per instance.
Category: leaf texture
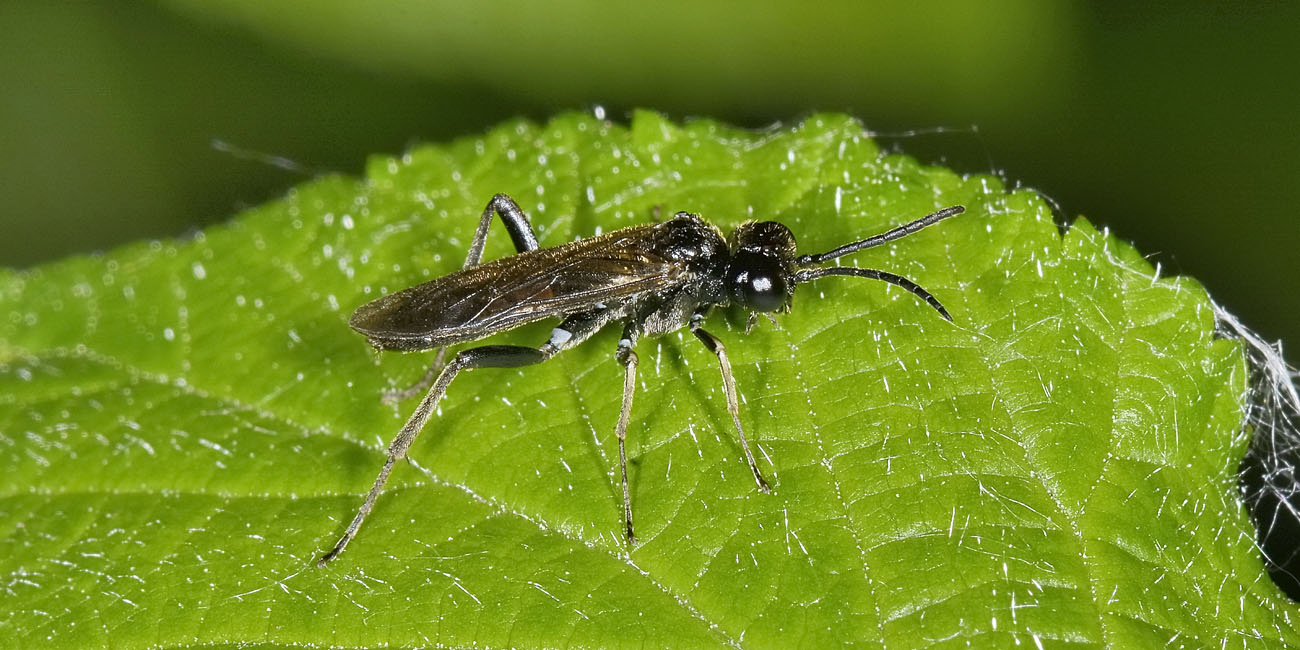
(185, 425)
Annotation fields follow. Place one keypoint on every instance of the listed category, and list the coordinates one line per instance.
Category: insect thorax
(701, 254)
(702, 251)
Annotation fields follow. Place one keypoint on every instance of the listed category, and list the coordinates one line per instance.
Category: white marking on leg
(560, 336)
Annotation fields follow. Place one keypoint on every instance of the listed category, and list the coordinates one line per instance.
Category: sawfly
(654, 279)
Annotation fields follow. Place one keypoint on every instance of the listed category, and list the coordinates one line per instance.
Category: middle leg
(729, 386)
(626, 356)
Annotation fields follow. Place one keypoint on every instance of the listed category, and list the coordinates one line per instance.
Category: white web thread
(1272, 419)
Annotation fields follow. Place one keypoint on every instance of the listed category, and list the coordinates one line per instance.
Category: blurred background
(1175, 126)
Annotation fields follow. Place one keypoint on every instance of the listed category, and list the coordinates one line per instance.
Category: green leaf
(184, 426)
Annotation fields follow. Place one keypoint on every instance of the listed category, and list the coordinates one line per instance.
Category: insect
(654, 278)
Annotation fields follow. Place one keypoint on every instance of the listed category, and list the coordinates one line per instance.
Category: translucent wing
(508, 292)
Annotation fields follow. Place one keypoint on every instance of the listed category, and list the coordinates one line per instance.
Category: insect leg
(729, 386)
(626, 356)
(488, 356)
(521, 233)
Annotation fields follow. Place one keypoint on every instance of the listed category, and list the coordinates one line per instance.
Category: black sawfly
(654, 278)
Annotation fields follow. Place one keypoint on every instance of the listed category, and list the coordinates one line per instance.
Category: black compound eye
(765, 292)
(757, 282)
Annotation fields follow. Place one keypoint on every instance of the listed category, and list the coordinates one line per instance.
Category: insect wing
(511, 291)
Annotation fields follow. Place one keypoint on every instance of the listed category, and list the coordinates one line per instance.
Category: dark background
(1176, 127)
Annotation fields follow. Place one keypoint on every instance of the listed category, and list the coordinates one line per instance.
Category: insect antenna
(896, 280)
(884, 237)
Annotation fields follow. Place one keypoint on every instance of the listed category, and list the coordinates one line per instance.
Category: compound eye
(757, 282)
(765, 292)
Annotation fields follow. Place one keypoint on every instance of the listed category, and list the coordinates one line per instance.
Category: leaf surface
(184, 426)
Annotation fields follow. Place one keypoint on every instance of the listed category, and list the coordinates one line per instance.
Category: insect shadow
(654, 279)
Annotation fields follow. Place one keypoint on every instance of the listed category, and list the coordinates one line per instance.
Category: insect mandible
(655, 278)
